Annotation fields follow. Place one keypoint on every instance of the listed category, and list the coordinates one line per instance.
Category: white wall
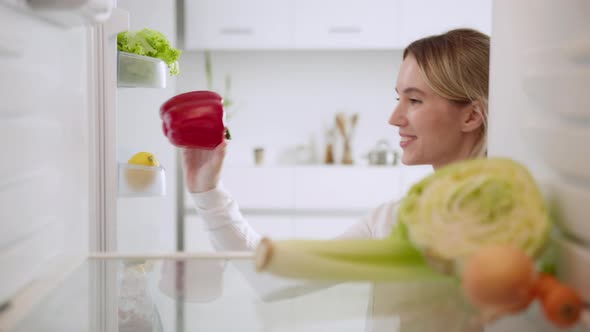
(288, 98)
(147, 224)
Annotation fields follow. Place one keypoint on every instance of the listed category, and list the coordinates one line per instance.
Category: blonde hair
(456, 66)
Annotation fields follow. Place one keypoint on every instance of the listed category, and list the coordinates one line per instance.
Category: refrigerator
(67, 142)
(82, 251)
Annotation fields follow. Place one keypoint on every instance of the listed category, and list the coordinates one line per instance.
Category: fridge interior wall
(44, 142)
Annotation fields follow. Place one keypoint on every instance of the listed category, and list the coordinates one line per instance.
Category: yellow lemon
(145, 159)
(139, 178)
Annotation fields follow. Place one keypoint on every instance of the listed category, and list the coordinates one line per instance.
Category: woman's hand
(202, 168)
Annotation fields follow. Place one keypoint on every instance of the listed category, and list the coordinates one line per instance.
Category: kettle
(382, 154)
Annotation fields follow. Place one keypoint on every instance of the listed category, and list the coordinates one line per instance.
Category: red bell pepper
(194, 120)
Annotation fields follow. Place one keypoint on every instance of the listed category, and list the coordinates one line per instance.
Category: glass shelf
(212, 293)
(137, 71)
(141, 181)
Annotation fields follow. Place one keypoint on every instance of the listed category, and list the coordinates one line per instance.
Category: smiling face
(433, 130)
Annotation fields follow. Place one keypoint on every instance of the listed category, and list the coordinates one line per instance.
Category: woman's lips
(406, 140)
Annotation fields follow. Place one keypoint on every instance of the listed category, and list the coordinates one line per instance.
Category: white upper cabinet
(325, 24)
(238, 24)
(347, 24)
(421, 18)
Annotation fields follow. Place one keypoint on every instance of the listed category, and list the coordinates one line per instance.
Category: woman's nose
(398, 117)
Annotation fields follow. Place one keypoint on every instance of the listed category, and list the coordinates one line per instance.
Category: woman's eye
(397, 98)
(414, 101)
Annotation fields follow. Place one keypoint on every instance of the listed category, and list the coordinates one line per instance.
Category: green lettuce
(150, 43)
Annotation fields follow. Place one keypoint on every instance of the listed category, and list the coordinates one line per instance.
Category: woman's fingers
(203, 167)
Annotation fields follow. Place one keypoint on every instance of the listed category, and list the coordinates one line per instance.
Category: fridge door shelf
(558, 56)
(560, 144)
(141, 181)
(138, 71)
(574, 265)
(570, 201)
(560, 92)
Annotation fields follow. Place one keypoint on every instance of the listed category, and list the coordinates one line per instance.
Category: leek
(390, 259)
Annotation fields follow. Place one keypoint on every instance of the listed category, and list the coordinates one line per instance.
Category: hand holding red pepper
(194, 120)
(202, 168)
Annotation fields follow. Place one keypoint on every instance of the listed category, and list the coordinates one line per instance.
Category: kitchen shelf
(138, 71)
(141, 181)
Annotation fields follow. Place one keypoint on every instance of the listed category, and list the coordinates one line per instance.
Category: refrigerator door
(539, 111)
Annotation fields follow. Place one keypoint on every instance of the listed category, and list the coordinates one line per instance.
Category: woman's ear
(473, 118)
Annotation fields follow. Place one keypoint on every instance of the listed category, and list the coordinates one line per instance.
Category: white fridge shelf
(65, 13)
(574, 265)
(141, 181)
(137, 71)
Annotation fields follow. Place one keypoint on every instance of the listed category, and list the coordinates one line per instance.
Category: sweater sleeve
(228, 230)
(378, 223)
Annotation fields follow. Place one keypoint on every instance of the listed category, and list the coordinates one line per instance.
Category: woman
(441, 116)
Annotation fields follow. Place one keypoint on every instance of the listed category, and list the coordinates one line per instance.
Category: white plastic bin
(141, 181)
(136, 71)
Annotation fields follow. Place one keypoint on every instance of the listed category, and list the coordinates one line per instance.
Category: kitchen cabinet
(307, 201)
(325, 24)
(348, 24)
(237, 24)
(344, 188)
(421, 18)
(317, 188)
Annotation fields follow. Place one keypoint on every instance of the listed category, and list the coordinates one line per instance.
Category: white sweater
(416, 307)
